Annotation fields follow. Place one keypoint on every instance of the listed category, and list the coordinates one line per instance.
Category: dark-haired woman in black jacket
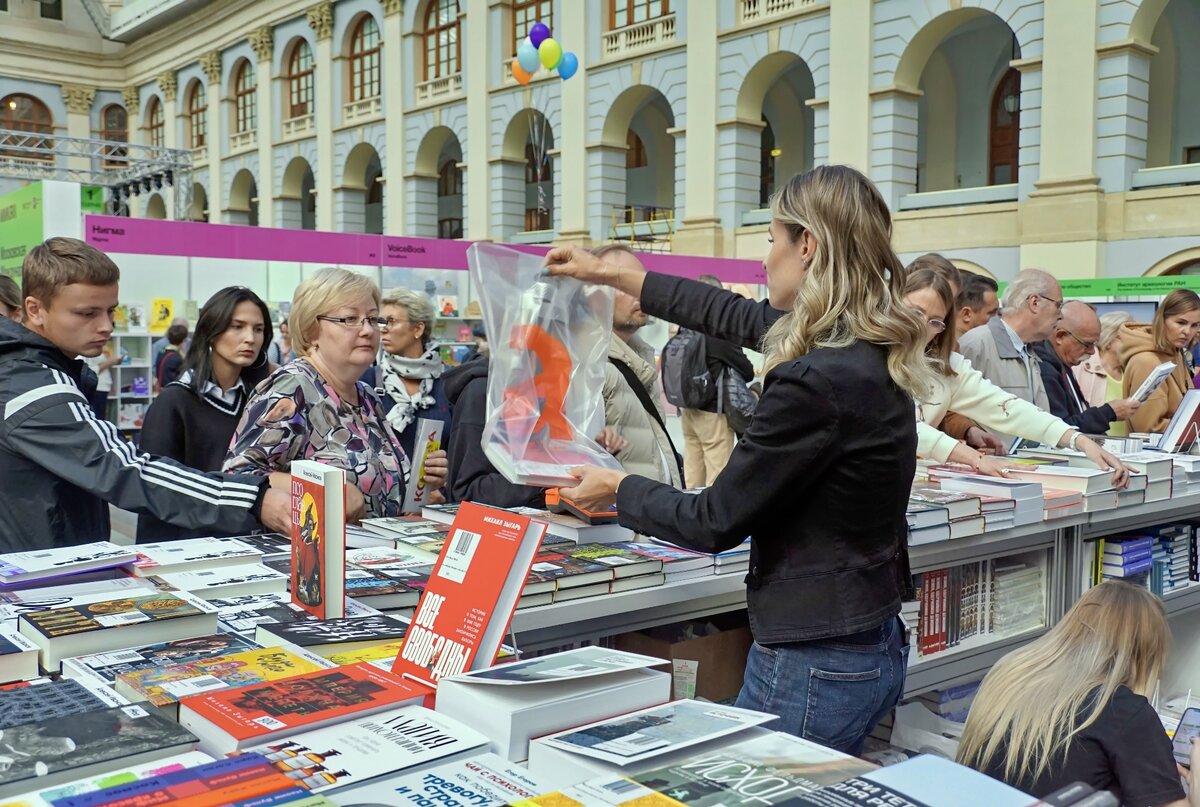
(193, 418)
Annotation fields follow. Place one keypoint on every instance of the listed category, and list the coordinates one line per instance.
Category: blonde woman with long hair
(1071, 706)
(820, 480)
(1144, 347)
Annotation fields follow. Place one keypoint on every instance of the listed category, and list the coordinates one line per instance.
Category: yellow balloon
(550, 52)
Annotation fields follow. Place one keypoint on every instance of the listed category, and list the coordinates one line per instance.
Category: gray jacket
(992, 352)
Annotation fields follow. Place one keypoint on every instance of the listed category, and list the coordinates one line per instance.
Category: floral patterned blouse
(295, 414)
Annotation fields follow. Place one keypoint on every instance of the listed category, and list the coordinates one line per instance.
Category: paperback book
(107, 666)
(47, 564)
(18, 656)
(227, 581)
(362, 750)
(486, 780)
(192, 555)
(49, 700)
(234, 719)
(318, 538)
(15, 603)
(53, 796)
(378, 591)
(327, 637)
(582, 662)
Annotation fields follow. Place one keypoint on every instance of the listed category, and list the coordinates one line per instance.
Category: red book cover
(318, 499)
(923, 615)
(255, 714)
(943, 585)
(472, 592)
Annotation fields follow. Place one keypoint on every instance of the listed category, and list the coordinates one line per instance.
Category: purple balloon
(538, 32)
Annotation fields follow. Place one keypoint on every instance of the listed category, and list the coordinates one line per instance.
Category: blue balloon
(527, 57)
(538, 32)
(568, 65)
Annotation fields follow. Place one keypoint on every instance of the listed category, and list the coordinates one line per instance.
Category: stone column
(698, 227)
(167, 84)
(395, 78)
(850, 105)
(477, 57)
(605, 186)
(574, 216)
(78, 99)
(508, 187)
(320, 19)
(893, 132)
(263, 42)
(133, 123)
(211, 63)
(1123, 112)
(739, 144)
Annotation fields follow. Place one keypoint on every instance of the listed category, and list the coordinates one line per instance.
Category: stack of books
(1127, 558)
(1172, 558)
(942, 515)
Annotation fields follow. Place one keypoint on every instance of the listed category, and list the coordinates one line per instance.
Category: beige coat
(649, 451)
(991, 351)
(1140, 356)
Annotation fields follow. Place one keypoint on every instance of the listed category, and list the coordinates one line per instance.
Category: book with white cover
(1064, 477)
(228, 581)
(405, 739)
(655, 731)
(1153, 381)
(192, 555)
(485, 780)
(512, 715)
(18, 656)
(582, 662)
(46, 564)
(90, 784)
(15, 603)
(566, 768)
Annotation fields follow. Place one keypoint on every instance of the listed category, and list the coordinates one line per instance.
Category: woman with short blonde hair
(316, 408)
(821, 478)
(408, 371)
(1071, 705)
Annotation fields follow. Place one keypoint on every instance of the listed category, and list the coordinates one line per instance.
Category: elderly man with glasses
(1075, 337)
(1029, 312)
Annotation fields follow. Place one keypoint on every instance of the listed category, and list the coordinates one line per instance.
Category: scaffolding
(125, 169)
(645, 229)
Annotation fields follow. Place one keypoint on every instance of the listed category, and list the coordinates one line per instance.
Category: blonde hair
(1110, 327)
(417, 307)
(1180, 301)
(1036, 699)
(940, 347)
(854, 286)
(322, 292)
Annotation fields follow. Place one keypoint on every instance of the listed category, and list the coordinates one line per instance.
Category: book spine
(923, 615)
(943, 621)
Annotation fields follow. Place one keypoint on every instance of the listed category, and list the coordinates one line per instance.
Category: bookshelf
(133, 382)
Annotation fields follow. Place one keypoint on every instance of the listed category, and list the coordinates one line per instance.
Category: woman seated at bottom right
(1071, 706)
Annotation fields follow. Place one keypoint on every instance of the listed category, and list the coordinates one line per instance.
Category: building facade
(1004, 133)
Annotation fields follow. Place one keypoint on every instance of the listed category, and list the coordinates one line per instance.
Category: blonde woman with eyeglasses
(1071, 706)
(820, 480)
(316, 408)
(963, 389)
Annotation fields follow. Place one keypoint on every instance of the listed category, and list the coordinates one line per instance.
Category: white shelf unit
(141, 365)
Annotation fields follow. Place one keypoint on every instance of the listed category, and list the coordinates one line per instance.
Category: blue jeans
(829, 691)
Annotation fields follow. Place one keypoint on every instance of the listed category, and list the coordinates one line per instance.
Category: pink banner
(237, 242)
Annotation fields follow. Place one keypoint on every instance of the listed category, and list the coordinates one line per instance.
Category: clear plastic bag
(548, 338)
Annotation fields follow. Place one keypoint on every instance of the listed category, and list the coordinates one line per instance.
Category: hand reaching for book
(597, 488)
(1104, 460)
(276, 513)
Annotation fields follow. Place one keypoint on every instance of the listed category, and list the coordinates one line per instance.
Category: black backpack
(686, 380)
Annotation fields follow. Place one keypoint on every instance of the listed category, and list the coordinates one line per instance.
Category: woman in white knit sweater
(963, 389)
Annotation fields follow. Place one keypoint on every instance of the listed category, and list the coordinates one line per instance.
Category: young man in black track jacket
(60, 465)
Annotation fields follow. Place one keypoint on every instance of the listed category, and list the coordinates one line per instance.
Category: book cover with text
(318, 538)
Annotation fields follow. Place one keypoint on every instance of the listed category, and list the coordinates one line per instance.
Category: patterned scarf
(427, 367)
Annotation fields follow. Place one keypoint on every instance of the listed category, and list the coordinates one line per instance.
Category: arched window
(155, 128)
(364, 60)
(443, 50)
(300, 81)
(635, 154)
(631, 12)
(1004, 138)
(24, 113)
(450, 179)
(245, 99)
(525, 14)
(114, 127)
(198, 116)
(533, 171)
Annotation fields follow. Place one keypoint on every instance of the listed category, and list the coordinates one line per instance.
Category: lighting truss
(125, 169)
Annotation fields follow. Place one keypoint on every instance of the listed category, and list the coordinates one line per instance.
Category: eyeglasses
(1058, 304)
(392, 322)
(1085, 344)
(355, 323)
(936, 325)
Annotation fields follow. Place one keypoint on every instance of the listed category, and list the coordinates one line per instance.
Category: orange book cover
(318, 569)
(472, 592)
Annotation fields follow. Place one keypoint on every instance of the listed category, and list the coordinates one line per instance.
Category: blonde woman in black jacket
(821, 478)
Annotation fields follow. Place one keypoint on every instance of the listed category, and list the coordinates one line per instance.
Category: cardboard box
(721, 656)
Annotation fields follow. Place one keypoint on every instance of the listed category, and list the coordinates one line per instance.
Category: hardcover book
(556, 563)
(45, 564)
(15, 603)
(112, 624)
(329, 636)
(243, 614)
(107, 666)
(49, 752)
(359, 751)
(623, 562)
(227, 581)
(164, 686)
(192, 555)
(318, 538)
(465, 609)
(233, 719)
(18, 656)
(383, 559)
(379, 591)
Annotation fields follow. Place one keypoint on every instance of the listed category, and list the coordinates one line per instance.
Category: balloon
(527, 55)
(550, 53)
(519, 73)
(568, 65)
(538, 33)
